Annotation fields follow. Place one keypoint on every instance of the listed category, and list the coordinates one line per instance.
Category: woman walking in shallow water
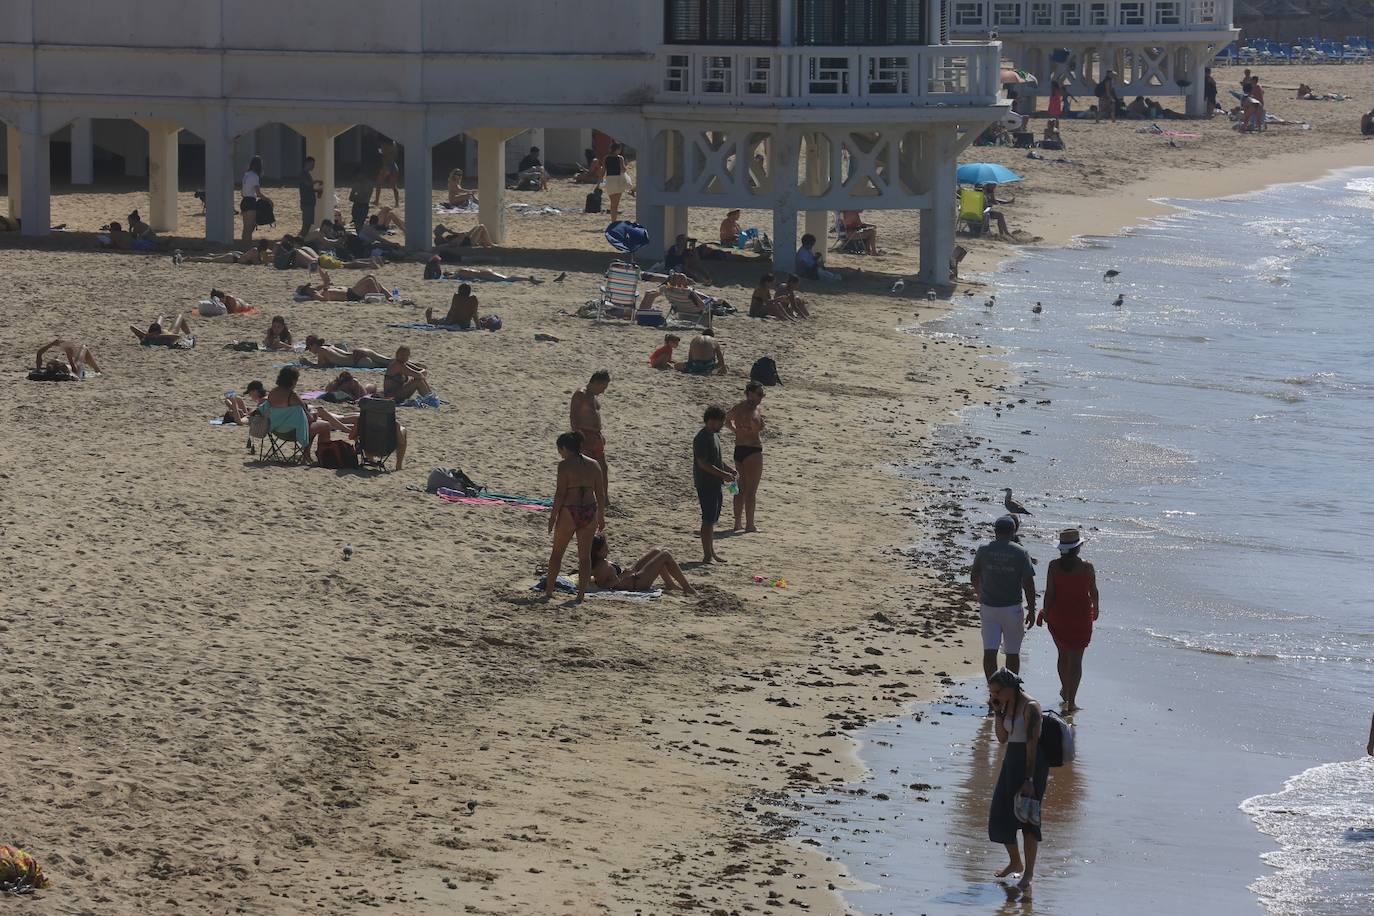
(1070, 609)
(1025, 771)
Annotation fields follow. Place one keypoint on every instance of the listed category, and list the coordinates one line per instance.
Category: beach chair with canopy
(376, 432)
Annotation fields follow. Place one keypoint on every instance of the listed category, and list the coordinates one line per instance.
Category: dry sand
(211, 711)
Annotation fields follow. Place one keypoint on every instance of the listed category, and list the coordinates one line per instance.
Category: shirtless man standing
(746, 420)
(584, 416)
(78, 356)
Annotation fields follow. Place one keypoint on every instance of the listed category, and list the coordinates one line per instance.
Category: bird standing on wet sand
(992, 300)
(1012, 505)
(1111, 275)
(1038, 308)
(1120, 300)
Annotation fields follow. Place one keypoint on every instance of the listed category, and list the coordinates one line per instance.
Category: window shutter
(684, 21)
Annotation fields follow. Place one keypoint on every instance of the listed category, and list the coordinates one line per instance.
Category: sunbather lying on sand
(446, 241)
(77, 356)
(164, 332)
(328, 356)
(327, 292)
(641, 576)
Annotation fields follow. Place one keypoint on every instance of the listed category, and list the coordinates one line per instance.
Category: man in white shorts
(1002, 573)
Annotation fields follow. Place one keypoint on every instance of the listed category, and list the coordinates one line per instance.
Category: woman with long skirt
(1025, 771)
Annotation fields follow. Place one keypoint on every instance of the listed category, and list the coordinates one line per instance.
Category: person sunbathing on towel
(329, 356)
(165, 332)
(704, 356)
(77, 356)
(327, 292)
(462, 310)
(446, 241)
(641, 576)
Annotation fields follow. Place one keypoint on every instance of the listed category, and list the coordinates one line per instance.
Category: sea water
(1211, 436)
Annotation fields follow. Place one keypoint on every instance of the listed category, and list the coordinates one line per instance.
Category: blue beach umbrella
(627, 236)
(985, 173)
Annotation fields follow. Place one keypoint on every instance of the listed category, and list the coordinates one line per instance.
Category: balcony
(979, 17)
(841, 77)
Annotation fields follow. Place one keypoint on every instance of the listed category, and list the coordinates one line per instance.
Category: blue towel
(328, 368)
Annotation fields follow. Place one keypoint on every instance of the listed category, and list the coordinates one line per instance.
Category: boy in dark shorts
(708, 472)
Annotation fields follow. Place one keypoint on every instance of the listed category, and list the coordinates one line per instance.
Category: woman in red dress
(1070, 609)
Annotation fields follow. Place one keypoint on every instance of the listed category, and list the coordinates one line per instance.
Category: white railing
(811, 77)
(978, 17)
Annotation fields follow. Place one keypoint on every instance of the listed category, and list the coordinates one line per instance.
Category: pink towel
(477, 501)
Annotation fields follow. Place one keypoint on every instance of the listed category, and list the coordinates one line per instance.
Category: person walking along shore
(1002, 573)
(1025, 772)
(1071, 606)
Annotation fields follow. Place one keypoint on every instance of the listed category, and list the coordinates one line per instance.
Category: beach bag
(19, 871)
(451, 479)
(1057, 738)
(329, 262)
(593, 204)
(489, 322)
(337, 454)
(211, 308)
(259, 425)
(765, 371)
(266, 215)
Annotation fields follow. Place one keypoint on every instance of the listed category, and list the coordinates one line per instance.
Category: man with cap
(1002, 573)
(531, 169)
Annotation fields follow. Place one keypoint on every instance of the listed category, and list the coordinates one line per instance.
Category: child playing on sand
(662, 358)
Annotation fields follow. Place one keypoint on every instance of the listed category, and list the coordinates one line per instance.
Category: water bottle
(396, 293)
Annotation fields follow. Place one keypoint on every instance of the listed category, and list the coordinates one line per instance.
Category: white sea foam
(1323, 821)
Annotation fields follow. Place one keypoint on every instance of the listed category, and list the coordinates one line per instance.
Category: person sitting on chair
(856, 229)
(462, 309)
(990, 215)
(165, 332)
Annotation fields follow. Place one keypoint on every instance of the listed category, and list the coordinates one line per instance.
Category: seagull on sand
(1111, 275)
(1120, 300)
(898, 286)
(1037, 308)
(1012, 505)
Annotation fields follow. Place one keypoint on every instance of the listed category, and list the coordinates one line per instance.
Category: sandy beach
(213, 711)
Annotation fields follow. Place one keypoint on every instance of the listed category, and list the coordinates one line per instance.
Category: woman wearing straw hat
(1071, 604)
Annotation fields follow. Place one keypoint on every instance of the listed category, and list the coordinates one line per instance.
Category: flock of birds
(1039, 308)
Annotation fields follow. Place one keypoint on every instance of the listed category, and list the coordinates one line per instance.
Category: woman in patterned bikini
(577, 510)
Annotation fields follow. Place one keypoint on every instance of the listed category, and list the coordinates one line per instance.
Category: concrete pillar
(163, 174)
(491, 179)
(938, 220)
(652, 171)
(319, 145)
(419, 188)
(783, 155)
(675, 220)
(270, 146)
(1197, 101)
(35, 207)
(220, 210)
(817, 222)
(83, 152)
(14, 163)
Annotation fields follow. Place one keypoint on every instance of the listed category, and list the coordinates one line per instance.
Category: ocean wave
(1214, 644)
(1323, 821)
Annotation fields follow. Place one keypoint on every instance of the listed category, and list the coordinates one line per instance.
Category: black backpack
(593, 201)
(765, 371)
(337, 455)
(266, 216)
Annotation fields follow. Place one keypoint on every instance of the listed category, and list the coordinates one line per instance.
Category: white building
(798, 106)
(1155, 47)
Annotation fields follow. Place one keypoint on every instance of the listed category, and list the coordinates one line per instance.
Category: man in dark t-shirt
(1002, 573)
(708, 472)
(309, 194)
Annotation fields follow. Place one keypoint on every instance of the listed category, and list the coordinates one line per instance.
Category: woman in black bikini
(746, 420)
(577, 510)
(641, 576)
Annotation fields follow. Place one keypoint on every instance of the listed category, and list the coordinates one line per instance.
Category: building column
(319, 145)
(419, 187)
(14, 164)
(163, 173)
(491, 179)
(817, 222)
(83, 152)
(1197, 101)
(938, 220)
(220, 212)
(784, 152)
(35, 186)
(675, 221)
(652, 171)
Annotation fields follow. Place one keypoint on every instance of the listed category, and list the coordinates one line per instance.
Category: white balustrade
(816, 77)
(979, 17)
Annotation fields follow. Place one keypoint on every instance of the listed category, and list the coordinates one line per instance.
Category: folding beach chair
(620, 293)
(282, 433)
(376, 432)
(687, 305)
(973, 209)
(843, 243)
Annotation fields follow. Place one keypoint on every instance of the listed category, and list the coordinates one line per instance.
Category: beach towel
(565, 584)
(445, 207)
(302, 365)
(421, 326)
(456, 496)
(19, 871)
(506, 497)
(561, 584)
